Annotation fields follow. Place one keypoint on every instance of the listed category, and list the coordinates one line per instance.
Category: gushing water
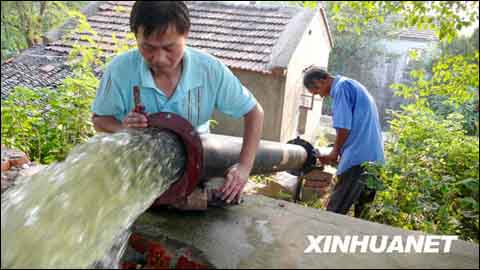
(70, 214)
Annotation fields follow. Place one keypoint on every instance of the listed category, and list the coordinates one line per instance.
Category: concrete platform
(267, 233)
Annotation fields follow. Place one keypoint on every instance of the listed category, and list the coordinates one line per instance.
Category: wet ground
(267, 233)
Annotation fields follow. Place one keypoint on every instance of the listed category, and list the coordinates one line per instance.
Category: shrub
(430, 177)
(46, 123)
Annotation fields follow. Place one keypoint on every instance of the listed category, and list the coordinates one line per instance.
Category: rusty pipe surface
(220, 152)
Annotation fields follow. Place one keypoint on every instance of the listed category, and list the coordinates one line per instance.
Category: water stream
(72, 213)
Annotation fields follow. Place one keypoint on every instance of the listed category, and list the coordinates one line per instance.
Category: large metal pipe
(210, 155)
(221, 152)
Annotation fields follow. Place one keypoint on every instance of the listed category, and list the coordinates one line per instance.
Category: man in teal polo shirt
(178, 79)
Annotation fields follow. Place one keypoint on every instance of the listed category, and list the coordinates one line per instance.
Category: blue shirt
(205, 84)
(353, 108)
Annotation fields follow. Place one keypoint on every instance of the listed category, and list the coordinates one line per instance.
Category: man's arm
(110, 124)
(251, 136)
(342, 135)
(238, 174)
(107, 124)
(332, 158)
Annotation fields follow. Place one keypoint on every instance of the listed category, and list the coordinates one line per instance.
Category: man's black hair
(314, 73)
(157, 16)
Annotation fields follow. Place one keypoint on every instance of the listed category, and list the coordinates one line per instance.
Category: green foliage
(465, 50)
(430, 176)
(282, 195)
(442, 106)
(431, 171)
(430, 181)
(352, 54)
(321, 141)
(47, 132)
(261, 179)
(445, 18)
(357, 16)
(374, 174)
(213, 123)
(24, 22)
(453, 77)
(452, 88)
(461, 45)
(46, 123)
(317, 203)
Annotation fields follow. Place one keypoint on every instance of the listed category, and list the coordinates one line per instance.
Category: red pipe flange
(193, 147)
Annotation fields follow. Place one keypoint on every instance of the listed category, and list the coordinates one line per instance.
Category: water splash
(70, 214)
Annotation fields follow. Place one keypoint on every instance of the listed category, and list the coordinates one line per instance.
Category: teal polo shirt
(206, 84)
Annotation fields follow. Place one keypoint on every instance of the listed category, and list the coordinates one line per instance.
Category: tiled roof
(35, 69)
(248, 37)
(242, 36)
(415, 34)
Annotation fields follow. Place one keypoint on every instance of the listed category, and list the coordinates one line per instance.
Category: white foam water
(72, 213)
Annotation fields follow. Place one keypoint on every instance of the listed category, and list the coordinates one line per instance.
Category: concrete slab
(267, 233)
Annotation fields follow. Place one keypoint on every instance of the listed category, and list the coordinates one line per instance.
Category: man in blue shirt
(175, 78)
(358, 140)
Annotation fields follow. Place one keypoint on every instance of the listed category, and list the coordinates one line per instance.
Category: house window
(302, 120)
(306, 101)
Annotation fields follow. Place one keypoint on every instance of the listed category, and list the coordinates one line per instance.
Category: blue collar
(333, 88)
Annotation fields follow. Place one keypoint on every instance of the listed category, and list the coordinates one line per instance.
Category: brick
(316, 184)
(17, 159)
(5, 165)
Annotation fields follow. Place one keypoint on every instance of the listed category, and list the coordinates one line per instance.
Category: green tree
(465, 47)
(47, 123)
(430, 178)
(359, 28)
(24, 22)
(356, 55)
(445, 18)
(461, 45)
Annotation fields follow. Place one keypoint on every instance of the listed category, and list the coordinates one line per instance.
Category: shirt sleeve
(233, 98)
(342, 109)
(109, 100)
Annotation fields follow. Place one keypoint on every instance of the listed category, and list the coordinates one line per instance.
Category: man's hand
(236, 179)
(330, 159)
(135, 120)
(237, 175)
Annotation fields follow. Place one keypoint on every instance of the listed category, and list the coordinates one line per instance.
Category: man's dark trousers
(351, 189)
